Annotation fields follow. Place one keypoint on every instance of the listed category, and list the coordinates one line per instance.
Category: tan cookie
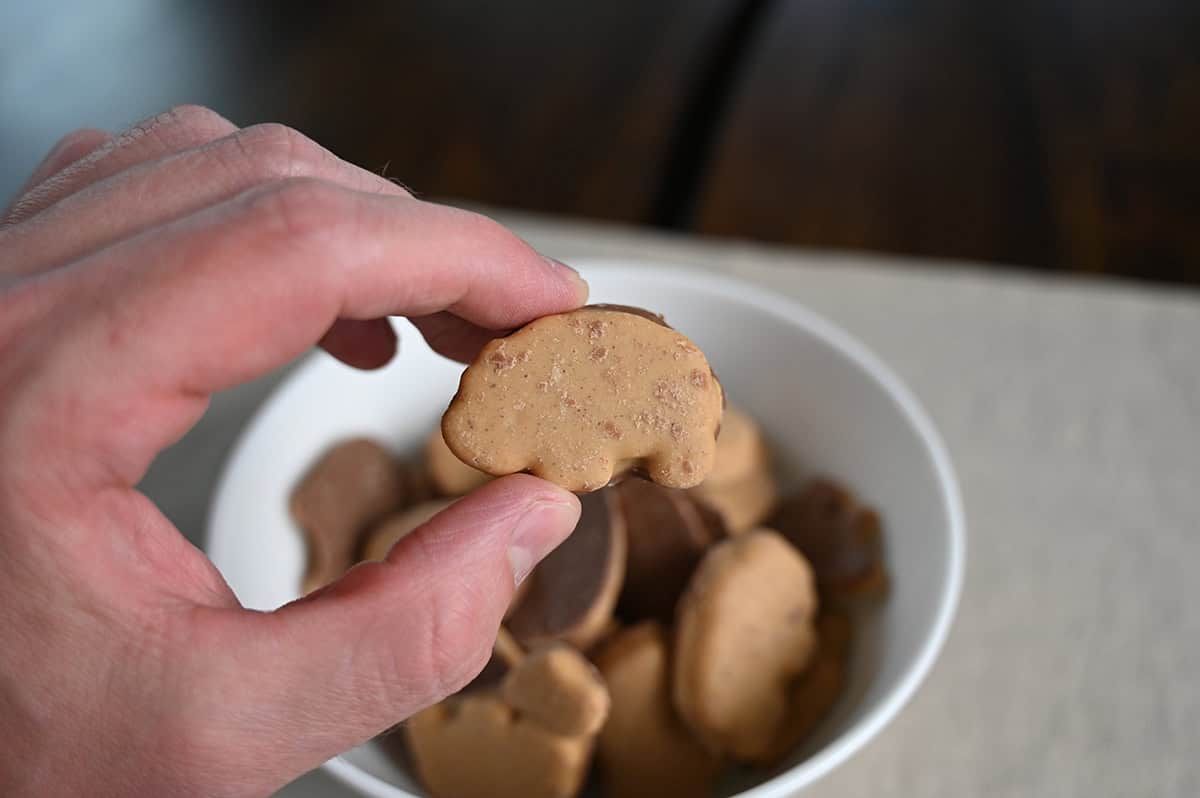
(816, 692)
(449, 475)
(380, 539)
(842, 539)
(577, 397)
(741, 450)
(610, 630)
(556, 687)
(352, 486)
(745, 632)
(477, 745)
(668, 535)
(571, 594)
(644, 750)
(745, 504)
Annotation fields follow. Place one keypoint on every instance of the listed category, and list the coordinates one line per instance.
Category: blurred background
(1061, 135)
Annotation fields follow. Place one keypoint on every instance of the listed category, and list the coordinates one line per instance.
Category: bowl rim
(845, 745)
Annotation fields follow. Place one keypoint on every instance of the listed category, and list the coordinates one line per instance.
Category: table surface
(1072, 413)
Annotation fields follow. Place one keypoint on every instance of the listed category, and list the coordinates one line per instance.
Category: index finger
(229, 293)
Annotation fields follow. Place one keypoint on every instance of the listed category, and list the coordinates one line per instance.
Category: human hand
(138, 275)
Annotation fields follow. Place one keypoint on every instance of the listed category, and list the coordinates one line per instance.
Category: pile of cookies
(688, 624)
(674, 633)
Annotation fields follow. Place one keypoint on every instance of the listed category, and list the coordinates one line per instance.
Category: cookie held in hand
(577, 397)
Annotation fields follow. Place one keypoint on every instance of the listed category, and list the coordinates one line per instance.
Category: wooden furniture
(1054, 135)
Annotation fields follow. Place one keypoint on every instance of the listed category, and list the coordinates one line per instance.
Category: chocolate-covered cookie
(842, 539)
(668, 535)
(571, 594)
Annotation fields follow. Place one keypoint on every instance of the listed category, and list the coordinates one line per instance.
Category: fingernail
(537, 533)
(571, 276)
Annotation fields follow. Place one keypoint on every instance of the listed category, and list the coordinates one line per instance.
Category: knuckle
(79, 134)
(182, 124)
(274, 151)
(492, 235)
(192, 116)
(304, 207)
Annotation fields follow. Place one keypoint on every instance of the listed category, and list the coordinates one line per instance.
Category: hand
(138, 275)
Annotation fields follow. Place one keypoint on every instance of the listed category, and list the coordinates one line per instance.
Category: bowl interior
(827, 406)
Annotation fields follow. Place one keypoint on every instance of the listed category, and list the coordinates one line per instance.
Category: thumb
(325, 673)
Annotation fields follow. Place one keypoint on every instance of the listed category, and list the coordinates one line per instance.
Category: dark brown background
(1062, 134)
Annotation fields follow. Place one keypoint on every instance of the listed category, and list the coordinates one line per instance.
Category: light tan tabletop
(1072, 412)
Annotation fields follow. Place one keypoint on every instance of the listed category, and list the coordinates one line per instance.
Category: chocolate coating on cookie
(578, 397)
(668, 535)
(841, 538)
(571, 594)
(657, 318)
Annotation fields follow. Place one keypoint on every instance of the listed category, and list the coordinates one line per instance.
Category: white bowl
(828, 406)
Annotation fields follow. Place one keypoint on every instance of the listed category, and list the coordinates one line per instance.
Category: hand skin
(139, 274)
